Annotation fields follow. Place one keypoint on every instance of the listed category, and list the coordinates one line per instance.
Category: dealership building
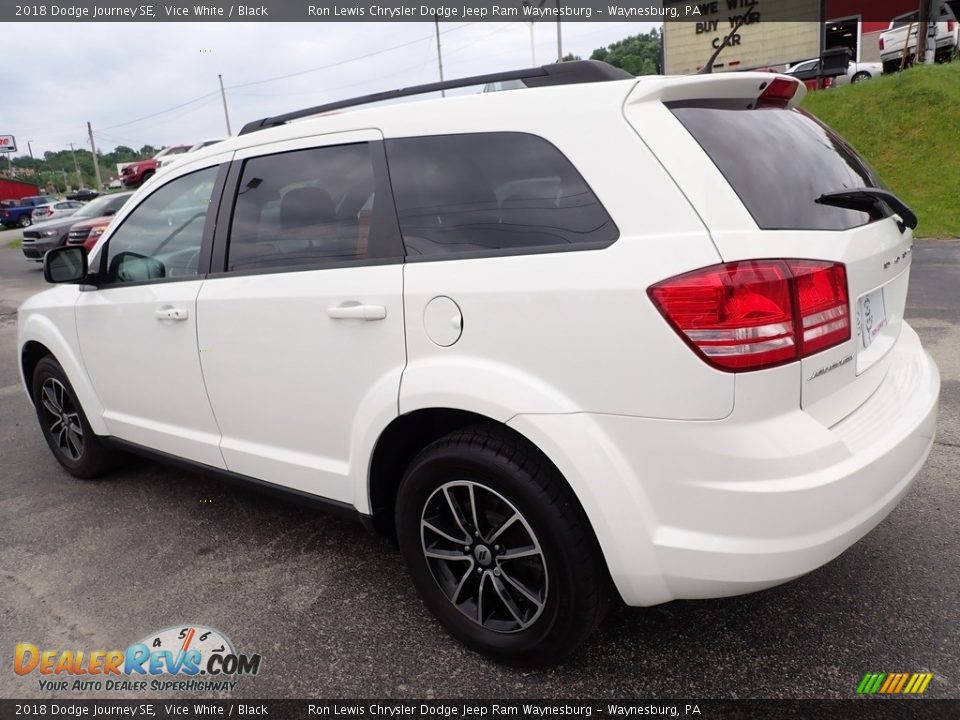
(774, 37)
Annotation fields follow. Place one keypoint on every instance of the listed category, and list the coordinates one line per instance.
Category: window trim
(385, 214)
(501, 252)
(209, 225)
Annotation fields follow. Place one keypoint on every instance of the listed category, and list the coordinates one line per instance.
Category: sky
(114, 75)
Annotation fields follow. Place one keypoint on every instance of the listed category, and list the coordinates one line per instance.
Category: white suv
(604, 336)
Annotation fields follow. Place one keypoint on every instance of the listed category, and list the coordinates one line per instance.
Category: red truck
(136, 173)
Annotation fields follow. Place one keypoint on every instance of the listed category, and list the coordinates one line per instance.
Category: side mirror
(133, 267)
(65, 265)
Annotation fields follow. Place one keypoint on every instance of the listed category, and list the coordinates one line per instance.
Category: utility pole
(223, 96)
(30, 148)
(533, 49)
(77, 166)
(920, 54)
(96, 163)
(930, 49)
(559, 36)
(436, 24)
(66, 184)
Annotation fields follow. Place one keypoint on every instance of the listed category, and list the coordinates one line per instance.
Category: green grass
(15, 244)
(908, 127)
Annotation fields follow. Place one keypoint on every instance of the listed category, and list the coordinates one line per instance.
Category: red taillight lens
(778, 93)
(821, 296)
(755, 314)
(949, 25)
(881, 43)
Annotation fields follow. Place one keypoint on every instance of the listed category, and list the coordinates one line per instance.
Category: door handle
(357, 312)
(171, 313)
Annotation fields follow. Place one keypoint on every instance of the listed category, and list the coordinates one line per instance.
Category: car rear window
(779, 162)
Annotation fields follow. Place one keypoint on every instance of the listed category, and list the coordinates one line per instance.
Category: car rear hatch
(756, 170)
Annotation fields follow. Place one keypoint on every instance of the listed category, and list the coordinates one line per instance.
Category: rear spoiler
(742, 90)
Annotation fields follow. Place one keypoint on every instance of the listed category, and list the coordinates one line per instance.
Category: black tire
(499, 474)
(893, 66)
(860, 77)
(25, 221)
(79, 450)
(146, 176)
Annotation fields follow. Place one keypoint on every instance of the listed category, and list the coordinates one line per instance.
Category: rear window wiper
(871, 201)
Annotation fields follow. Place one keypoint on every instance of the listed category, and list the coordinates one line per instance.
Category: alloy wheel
(484, 555)
(64, 419)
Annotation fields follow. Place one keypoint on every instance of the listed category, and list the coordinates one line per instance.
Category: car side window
(304, 208)
(161, 238)
(492, 194)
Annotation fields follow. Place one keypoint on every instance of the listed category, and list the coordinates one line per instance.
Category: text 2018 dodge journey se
(597, 336)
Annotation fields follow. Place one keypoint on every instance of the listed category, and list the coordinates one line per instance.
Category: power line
(276, 78)
(348, 60)
(162, 112)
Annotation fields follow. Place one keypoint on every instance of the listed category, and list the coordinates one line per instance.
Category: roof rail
(566, 73)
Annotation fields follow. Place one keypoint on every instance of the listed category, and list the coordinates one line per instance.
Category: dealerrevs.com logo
(188, 658)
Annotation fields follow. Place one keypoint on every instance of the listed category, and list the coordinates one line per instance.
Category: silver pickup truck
(893, 40)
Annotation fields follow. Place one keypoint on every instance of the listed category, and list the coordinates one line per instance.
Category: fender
(376, 411)
(616, 505)
(483, 386)
(55, 328)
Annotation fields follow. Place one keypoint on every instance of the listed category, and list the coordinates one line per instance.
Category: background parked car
(137, 173)
(858, 72)
(20, 215)
(54, 233)
(84, 194)
(808, 72)
(54, 210)
(169, 160)
(88, 231)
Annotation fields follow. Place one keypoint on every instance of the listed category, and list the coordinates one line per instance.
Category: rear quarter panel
(566, 332)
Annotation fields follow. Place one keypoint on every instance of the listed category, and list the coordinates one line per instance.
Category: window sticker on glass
(871, 317)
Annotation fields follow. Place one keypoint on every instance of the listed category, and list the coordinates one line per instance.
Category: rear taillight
(820, 291)
(881, 43)
(756, 314)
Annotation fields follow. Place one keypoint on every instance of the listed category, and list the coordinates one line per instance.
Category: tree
(637, 54)
(570, 57)
(50, 169)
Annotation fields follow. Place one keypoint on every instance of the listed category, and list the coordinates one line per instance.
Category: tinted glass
(98, 206)
(492, 193)
(161, 238)
(779, 162)
(303, 208)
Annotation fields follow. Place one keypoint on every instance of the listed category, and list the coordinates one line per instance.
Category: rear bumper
(710, 509)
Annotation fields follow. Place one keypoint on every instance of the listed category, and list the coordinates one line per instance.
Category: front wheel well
(401, 441)
(32, 353)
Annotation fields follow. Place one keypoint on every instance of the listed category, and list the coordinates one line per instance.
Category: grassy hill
(908, 127)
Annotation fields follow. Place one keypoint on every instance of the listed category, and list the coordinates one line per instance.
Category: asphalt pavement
(98, 565)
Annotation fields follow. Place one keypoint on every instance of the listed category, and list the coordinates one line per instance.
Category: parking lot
(331, 609)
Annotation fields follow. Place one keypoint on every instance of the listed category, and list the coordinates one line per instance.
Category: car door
(137, 329)
(301, 331)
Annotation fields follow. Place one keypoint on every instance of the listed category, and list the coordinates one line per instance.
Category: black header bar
(454, 11)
